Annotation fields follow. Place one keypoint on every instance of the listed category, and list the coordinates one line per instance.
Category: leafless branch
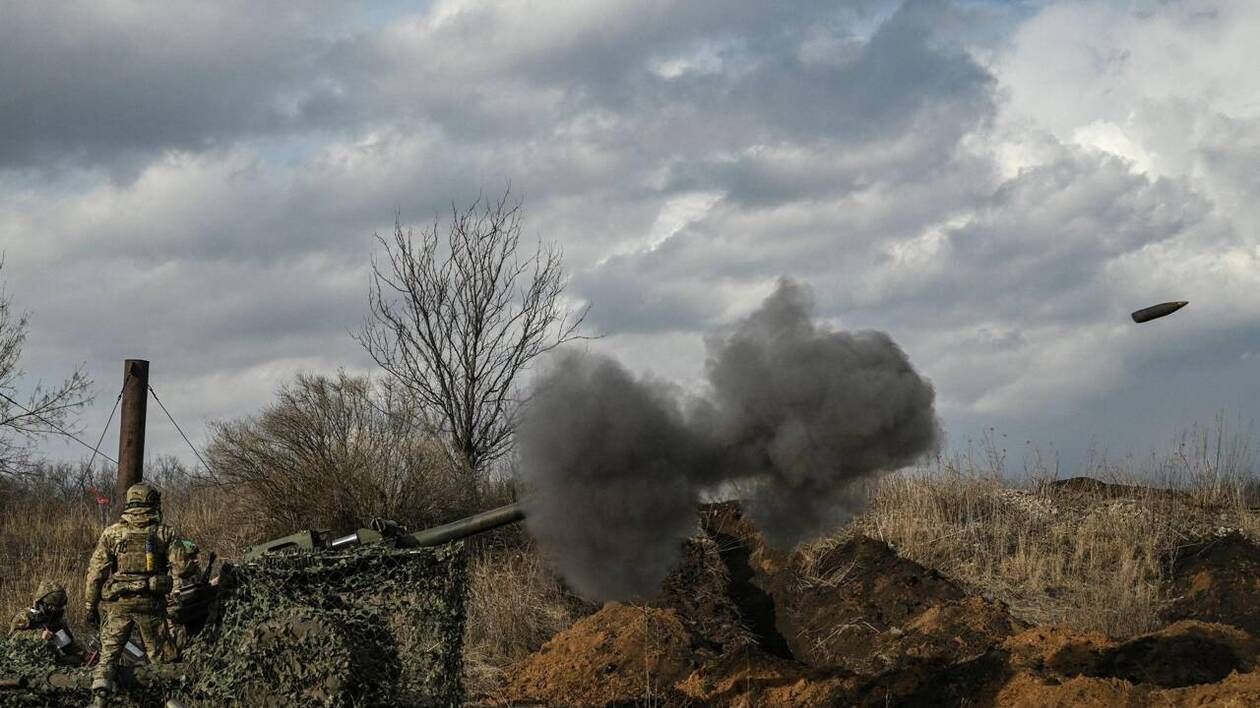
(456, 320)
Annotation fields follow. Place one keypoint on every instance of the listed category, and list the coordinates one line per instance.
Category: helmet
(182, 555)
(183, 549)
(51, 594)
(143, 495)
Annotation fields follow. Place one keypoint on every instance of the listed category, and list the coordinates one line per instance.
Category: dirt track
(737, 624)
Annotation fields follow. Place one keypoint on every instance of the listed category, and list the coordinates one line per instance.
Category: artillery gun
(384, 531)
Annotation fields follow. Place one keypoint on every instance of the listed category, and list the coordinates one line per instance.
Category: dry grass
(1088, 559)
(515, 604)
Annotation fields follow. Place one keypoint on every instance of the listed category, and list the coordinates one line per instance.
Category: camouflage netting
(372, 627)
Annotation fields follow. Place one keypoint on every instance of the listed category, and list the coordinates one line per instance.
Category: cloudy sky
(997, 184)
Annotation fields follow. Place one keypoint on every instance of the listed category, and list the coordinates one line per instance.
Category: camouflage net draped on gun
(372, 626)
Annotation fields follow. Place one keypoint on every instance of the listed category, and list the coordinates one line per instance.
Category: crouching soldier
(128, 576)
(46, 619)
(185, 575)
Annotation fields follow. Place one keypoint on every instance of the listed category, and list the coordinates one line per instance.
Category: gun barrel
(479, 523)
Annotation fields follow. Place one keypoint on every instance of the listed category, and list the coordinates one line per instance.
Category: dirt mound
(1217, 581)
(951, 632)
(755, 678)
(835, 603)
(1184, 654)
(1088, 486)
(701, 589)
(621, 654)
(1029, 690)
(849, 622)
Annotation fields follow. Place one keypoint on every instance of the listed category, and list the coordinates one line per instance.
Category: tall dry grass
(1089, 557)
(515, 604)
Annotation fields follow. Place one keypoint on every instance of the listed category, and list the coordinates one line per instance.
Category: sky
(995, 184)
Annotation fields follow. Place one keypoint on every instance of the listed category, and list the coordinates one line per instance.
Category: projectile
(1154, 312)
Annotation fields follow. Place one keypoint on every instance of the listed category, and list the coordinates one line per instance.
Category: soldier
(46, 614)
(128, 573)
(185, 571)
(46, 618)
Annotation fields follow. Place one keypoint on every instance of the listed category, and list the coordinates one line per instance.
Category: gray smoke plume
(609, 458)
(805, 412)
(795, 412)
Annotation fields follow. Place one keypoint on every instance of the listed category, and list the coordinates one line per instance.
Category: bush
(333, 453)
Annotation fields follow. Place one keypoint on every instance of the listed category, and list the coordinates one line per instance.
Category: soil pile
(620, 654)
(1188, 663)
(1218, 581)
(849, 622)
(860, 606)
(1095, 488)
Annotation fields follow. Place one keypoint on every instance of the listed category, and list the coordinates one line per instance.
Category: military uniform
(47, 612)
(185, 570)
(127, 574)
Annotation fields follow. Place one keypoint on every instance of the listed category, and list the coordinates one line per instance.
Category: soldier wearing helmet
(46, 619)
(46, 614)
(185, 571)
(128, 575)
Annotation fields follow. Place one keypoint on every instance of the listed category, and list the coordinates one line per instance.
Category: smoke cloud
(610, 458)
(795, 413)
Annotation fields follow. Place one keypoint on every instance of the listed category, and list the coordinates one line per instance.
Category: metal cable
(181, 430)
(96, 451)
(58, 428)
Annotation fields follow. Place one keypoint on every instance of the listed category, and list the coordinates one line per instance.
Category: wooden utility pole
(135, 396)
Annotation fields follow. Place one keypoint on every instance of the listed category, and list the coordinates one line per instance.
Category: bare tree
(456, 321)
(47, 410)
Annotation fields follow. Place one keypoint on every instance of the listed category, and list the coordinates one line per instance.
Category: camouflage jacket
(21, 621)
(107, 581)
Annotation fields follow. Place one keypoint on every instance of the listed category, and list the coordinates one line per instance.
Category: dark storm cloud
(89, 82)
(110, 84)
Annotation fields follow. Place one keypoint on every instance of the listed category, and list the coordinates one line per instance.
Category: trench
(755, 605)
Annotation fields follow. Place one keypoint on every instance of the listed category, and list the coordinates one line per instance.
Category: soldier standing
(128, 573)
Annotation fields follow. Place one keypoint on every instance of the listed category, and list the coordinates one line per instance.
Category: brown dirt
(835, 608)
(620, 654)
(852, 623)
(1217, 581)
(1090, 487)
(701, 591)
(1235, 691)
(754, 678)
(952, 632)
(1183, 654)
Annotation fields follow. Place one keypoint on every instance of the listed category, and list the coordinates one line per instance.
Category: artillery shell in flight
(1154, 312)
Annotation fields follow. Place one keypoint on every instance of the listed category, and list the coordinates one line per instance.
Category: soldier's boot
(102, 689)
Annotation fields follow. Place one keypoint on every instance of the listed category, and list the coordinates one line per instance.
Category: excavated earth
(855, 624)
